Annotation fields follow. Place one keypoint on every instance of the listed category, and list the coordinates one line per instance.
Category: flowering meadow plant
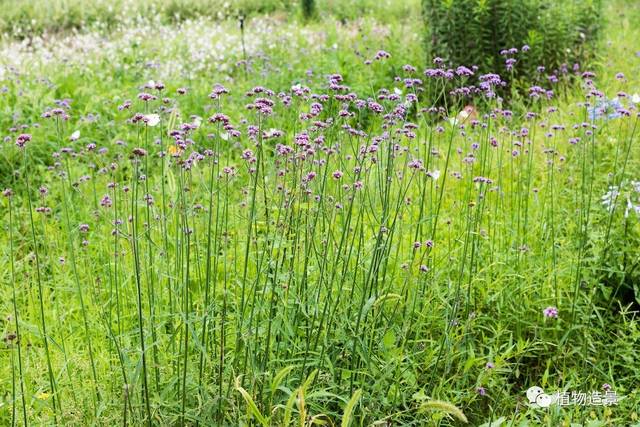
(301, 234)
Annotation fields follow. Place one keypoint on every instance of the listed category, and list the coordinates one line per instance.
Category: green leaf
(495, 423)
(280, 376)
(348, 410)
(253, 408)
(389, 339)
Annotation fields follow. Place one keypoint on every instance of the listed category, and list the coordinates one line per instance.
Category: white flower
(75, 136)
(272, 133)
(435, 174)
(152, 119)
(610, 197)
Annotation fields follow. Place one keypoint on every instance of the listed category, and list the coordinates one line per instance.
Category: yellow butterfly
(175, 151)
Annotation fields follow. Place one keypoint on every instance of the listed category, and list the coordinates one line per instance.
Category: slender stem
(16, 318)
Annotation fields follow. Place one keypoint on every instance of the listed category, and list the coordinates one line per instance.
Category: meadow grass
(283, 226)
(25, 18)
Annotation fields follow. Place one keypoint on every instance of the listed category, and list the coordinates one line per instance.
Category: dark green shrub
(559, 33)
(308, 8)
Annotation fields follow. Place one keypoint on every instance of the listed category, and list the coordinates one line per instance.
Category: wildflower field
(229, 214)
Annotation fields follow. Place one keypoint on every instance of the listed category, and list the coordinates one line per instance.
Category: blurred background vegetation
(26, 17)
(559, 34)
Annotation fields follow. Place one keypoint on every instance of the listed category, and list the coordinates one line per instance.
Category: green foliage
(615, 261)
(27, 17)
(24, 18)
(308, 8)
(473, 32)
(538, 236)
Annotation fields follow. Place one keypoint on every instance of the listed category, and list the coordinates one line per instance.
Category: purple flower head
(219, 118)
(381, 54)
(409, 68)
(124, 106)
(106, 201)
(22, 139)
(310, 176)
(435, 72)
(375, 107)
(551, 312)
(463, 71)
(219, 90)
(140, 152)
(146, 97)
(248, 156)
(536, 91)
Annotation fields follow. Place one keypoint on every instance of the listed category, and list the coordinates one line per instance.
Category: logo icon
(537, 396)
(539, 399)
